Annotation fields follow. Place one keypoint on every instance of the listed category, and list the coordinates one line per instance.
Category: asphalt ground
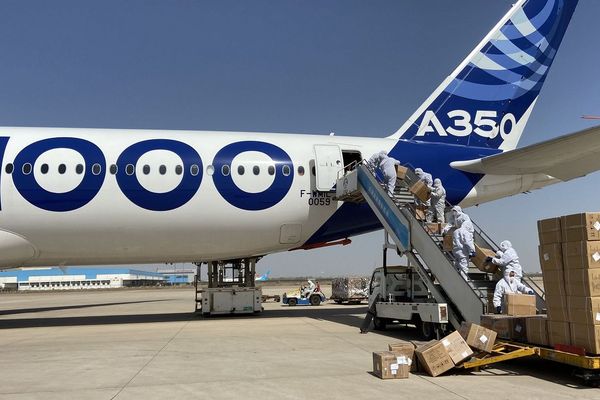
(148, 344)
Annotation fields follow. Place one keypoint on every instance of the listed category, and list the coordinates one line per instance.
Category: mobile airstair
(404, 223)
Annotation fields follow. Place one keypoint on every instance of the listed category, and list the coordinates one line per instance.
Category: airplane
(99, 196)
(263, 278)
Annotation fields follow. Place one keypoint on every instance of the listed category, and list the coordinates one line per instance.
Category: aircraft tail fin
(488, 99)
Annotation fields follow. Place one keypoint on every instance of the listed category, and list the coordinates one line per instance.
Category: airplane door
(328, 160)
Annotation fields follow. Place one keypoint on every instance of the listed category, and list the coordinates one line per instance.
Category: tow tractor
(398, 295)
(305, 296)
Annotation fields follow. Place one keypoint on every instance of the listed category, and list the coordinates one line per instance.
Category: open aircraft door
(328, 162)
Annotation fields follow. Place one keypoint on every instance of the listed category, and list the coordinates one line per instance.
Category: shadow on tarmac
(60, 308)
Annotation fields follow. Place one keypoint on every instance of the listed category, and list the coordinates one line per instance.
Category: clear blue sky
(354, 67)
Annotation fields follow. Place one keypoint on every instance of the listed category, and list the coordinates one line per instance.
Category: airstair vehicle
(411, 236)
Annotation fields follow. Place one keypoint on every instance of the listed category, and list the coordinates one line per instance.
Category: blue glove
(472, 254)
(488, 260)
(498, 310)
(530, 292)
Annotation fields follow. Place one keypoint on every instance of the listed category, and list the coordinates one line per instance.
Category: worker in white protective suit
(509, 259)
(387, 166)
(438, 203)
(508, 285)
(463, 247)
(454, 217)
(308, 289)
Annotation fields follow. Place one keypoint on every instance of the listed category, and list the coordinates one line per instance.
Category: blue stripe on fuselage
(355, 219)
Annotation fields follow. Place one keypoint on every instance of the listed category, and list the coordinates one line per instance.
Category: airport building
(177, 276)
(77, 278)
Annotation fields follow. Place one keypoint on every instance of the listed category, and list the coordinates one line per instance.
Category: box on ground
(549, 231)
(580, 227)
(434, 358)
(584, 310)
(518, 304)
(559, 332)
(506, 326)
(551, 257)
(481, 255)
(401, 172)
(457, 347)
(586, 336)
(420, 190)
(537, 330)
(389, 365)
(478, 337)
(406, 349)
(581, 255)
(582, 282)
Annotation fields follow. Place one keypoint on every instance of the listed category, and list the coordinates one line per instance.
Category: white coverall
(509, 260)
(510, 286)
(462, 247)
(457, 213)
(438, 203)
(427, 179)
(387, 165)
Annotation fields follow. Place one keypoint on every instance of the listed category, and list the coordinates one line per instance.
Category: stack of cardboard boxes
(570, 260)
(434, 357)
(518, 310)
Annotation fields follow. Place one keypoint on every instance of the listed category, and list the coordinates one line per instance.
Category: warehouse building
(77, 278)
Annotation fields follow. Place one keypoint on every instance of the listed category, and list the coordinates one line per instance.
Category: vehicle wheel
(315, 300)
(292, 302)
(378, 324)
(277, 299)
(427, 330)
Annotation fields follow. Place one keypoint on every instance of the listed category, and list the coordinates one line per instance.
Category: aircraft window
(194, 170)
(256, 170)
(26, 168)
(210, 170)
(271, 170)
(301, 170)
(129, 169)
(79, 169)
(9, 168)
(44, 169)
(225, 170)
(146, 169)
(62, 168)
(313, 171)
(178, 170)
(113, 169)
(285, 170)
(96, 169)
(241, 170)
(162, 170)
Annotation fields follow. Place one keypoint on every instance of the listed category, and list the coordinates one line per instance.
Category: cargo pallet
(587, 367)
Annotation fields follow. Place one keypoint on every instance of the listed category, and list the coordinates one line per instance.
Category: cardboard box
(420, 190)
(582, 282)
(556, 308)
(549, 231)
(448, 240)
(580, 227)
(586, 336)
(434, 228)
(559, 332)
(581, 255)
(551, 257)
(506, 326)
(389, 365)
(420, 214)
(457, 347)
(481, 254)
(406, 349)
(519, 304)
(584, 310)
(478, 337)
(537, 330)
(401, 172)
(434, 358)
(416, 364)
(554, 283)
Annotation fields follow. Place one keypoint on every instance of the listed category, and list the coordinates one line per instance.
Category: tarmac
(147, 344)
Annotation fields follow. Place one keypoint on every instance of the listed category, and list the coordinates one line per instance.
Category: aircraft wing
(566, 157)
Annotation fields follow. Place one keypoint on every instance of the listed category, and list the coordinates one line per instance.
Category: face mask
(512, 280)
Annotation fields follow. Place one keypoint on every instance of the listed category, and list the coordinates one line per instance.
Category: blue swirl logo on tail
(487, 100)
